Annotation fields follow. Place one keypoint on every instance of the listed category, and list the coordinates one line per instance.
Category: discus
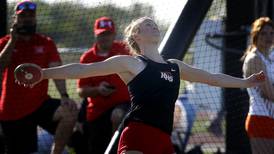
(28, 74)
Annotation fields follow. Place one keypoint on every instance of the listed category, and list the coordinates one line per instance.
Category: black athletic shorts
(99, 131)
(21, 135)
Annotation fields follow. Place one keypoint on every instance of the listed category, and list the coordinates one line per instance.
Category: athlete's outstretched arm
(193, 74)
(111, 65)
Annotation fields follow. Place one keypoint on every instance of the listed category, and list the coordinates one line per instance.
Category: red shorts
(144, 138)
(260, 126)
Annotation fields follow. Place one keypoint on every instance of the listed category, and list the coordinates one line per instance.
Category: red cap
(103, 24)
(26, 5)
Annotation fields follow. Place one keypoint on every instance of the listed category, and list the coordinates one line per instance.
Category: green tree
(70, 24)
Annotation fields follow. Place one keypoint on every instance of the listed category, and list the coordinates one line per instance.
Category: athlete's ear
(136, 37)
(136, 34)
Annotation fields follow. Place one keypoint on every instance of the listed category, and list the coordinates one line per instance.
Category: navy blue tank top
(153, 94)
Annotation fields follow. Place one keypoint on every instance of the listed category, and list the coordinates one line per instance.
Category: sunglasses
(105, 24)
(26, 6)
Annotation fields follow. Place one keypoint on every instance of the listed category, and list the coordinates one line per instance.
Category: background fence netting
(70, 24)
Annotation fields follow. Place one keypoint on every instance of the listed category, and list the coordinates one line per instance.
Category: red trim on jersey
(98, 105)
(17, 101)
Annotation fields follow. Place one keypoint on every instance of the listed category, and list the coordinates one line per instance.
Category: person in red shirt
(107, 96)
(23, 109)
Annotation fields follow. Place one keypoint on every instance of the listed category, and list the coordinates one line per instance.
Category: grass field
(68, 57)
(71, 88)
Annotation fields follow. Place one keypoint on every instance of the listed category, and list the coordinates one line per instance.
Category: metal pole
(236, 100)
(181, 32)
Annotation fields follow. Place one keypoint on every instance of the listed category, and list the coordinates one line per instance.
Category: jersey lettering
(167, 76)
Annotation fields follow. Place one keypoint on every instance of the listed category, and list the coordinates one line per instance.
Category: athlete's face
(266, 37)
(148, 31)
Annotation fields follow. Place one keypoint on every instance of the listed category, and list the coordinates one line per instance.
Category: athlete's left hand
(256, 79)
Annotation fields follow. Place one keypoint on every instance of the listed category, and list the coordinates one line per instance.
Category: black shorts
(21, 134)
(99, 131)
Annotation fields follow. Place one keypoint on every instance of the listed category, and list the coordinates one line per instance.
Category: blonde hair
(256, 28)
(131, 30)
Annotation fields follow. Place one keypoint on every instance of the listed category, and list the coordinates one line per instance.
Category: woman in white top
(260, 119)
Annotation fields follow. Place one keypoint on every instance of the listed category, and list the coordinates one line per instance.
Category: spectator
(153, 85)
(23, 109)
(107, 96)
(260, 119)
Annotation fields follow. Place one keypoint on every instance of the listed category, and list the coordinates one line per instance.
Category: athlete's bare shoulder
(135, 64)
(129, 66)
(129, 62)
(124, 59)
(176, 61)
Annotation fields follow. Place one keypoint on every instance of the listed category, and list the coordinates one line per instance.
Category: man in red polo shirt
(23, 109)
(107, 96)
